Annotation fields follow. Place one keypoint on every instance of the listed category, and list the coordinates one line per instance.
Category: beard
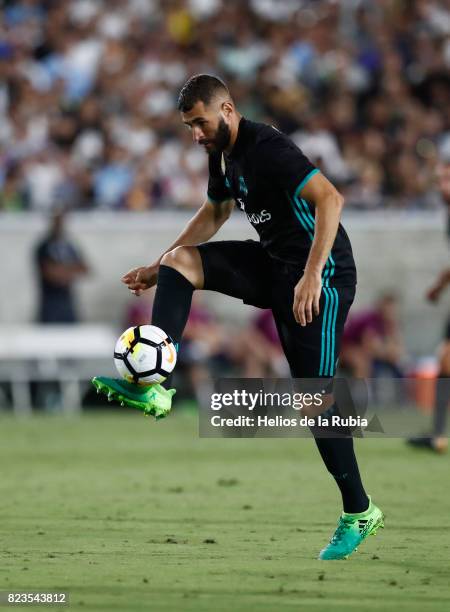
(221, 139)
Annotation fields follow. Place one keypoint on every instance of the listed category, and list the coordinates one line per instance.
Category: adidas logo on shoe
(364, 525)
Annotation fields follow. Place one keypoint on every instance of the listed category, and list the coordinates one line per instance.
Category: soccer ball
(145, 355)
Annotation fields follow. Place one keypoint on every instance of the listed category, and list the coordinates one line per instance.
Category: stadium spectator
(257, 348)
(12, 196)
(372, 343)
(59, 264)
(437, 440)
(87, 95)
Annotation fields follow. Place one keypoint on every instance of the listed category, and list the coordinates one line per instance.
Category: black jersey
(265, 174)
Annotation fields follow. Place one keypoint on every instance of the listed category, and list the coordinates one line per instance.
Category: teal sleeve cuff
(306, 179)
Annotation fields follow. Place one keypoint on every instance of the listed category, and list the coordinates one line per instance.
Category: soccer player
(302, 268)
(436, 441)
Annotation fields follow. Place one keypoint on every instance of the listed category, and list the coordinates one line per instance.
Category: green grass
(126, 513)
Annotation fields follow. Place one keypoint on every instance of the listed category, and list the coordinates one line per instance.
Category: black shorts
(244, 270)
(447, 330)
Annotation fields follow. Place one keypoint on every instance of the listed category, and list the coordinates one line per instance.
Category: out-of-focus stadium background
(88, 123)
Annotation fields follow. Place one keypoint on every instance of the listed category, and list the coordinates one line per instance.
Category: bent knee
(187, 261)
(180, 256)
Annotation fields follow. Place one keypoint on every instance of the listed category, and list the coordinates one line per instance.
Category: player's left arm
(328, 203)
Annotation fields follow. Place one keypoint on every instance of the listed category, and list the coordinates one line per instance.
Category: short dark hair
(200, 87)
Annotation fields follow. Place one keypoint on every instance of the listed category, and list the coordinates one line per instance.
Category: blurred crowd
(88, 93)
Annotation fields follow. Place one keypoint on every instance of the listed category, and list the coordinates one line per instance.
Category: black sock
(172, 302)
(339, 457)
(441, 405)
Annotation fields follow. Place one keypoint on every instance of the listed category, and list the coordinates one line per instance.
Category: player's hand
(307, 297)
(140, 279)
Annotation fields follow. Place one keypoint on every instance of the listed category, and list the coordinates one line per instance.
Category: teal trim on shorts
(333, 339)
(328, 343)
(324, 335)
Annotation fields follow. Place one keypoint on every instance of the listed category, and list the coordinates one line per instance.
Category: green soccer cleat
(154, 399)
(352, 529)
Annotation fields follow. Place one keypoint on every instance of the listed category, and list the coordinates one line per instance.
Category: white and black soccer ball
(145, 355)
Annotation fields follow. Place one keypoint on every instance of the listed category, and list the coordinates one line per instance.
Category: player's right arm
(202, 227)
(204, 224)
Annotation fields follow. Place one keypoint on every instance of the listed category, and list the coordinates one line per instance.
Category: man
(302, 269)
(372, 342)
(60, 264)
(437, 441)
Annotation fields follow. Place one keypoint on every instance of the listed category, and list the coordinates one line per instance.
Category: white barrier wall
(397, 251)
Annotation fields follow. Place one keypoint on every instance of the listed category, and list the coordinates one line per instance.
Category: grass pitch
(126, 513)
